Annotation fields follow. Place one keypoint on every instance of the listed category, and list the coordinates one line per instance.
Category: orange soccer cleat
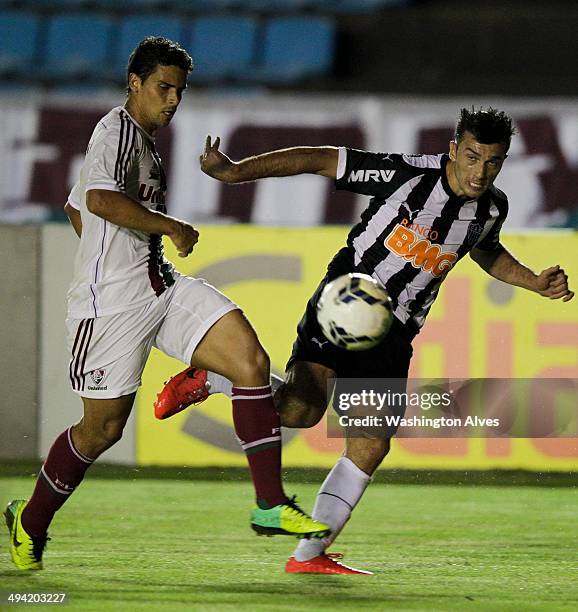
(186, 388)
(326, 563)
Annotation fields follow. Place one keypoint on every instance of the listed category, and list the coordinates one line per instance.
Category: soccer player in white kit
(126, 298)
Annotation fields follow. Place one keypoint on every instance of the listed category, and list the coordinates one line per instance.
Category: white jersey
(118, 269)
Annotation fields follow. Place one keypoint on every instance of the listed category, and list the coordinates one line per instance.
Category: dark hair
(488, 126)
(155, 50)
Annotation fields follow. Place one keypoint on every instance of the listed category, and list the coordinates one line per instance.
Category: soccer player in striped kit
(426, 213)
(126, 298)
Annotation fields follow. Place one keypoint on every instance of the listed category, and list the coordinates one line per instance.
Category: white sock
(337, 497)
(220, 384)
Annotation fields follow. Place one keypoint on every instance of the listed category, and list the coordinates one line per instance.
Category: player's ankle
(271, 502)
(308, 549)
(219, 384)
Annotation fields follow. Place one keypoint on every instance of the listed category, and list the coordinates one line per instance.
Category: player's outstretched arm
(551, 282)
(124, 212)
(74, 218)
(284, 162)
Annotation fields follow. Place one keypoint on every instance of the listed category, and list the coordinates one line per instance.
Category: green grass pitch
(186, 545)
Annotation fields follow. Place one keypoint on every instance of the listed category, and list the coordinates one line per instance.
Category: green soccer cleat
(287, 519)
(26, 551)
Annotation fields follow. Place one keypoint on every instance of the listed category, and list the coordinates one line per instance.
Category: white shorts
(108, 354)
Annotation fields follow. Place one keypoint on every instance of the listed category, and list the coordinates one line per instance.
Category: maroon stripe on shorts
(85, 352)
(72, 364)
(83, 336)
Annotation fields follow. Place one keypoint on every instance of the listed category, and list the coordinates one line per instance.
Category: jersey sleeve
(75, 196)
(372, 174)
(492, 239)
(110, 156)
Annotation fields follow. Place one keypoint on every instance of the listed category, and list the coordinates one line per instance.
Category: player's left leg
(206, 327)
(232, 349)
(301, 399)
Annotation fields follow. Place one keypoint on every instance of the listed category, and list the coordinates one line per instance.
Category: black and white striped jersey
(118, 269)
(415, 228)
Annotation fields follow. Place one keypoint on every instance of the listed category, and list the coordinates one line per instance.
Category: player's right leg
(338, 496)
(70, 456)
(304, 400)
(348, 479)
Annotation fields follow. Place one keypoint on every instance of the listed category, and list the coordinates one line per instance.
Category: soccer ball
(354, 312)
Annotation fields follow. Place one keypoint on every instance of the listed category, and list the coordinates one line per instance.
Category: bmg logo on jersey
(406, 241)
(97, 377)
(364, 176)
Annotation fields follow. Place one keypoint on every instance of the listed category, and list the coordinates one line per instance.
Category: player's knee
(299, 406)
(107, 435)
(261, 361)
(253, 366)
(301, 416)
(93, 439)
(112, 431)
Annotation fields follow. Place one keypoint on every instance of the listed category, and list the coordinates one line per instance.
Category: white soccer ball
(354, 312)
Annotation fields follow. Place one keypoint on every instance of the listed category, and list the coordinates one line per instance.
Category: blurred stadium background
(386, 75)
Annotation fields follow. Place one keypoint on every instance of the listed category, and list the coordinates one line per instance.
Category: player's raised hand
(553, 283)
(184, 237)
(215, 163)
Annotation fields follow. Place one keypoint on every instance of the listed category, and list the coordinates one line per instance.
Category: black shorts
(389, 359)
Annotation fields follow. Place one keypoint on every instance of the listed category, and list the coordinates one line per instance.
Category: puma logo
(321, 344)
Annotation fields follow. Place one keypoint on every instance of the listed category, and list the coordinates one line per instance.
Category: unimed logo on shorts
(97, 377)
(412, 242)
